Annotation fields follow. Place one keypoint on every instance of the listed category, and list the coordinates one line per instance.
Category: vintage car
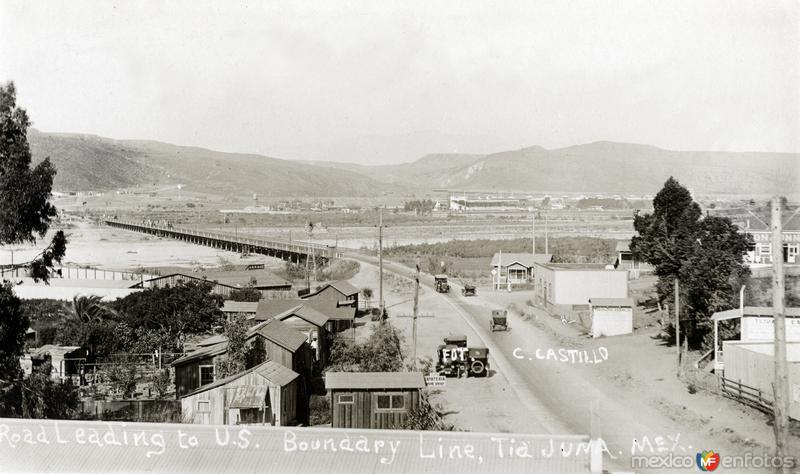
(499, 320)
(440, 283)
(469, 290)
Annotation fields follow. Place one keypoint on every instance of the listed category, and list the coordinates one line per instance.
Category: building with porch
(515, 269)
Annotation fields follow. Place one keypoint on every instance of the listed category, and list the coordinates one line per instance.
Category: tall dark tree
(13, 325)
(25, 214)
(704, 254)
(25, 211)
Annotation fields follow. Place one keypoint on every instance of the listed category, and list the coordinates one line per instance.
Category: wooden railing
(746, 394)
(304, 248)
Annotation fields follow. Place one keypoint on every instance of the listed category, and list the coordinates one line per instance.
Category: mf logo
(707, 460)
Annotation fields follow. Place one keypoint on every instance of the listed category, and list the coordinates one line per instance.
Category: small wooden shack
(265, 395)
(378, 400)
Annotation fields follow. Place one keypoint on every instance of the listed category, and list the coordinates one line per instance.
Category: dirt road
(559, 394)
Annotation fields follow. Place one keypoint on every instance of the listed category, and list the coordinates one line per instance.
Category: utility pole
(678, 323)
(533, 234)
(781, 385)
(380, 261)
(546, 237)
(416, 312)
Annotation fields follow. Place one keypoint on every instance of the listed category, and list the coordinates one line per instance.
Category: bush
(382, 352)
(161, 383)
(320, 410)
(427, 417)
(338, 270)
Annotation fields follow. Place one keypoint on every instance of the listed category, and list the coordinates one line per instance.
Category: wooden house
(340, 317)
(378, 400)
(313, 324)
(271, 340)
(338, 293)
(265, 394)
(515, 269)
(197, 368)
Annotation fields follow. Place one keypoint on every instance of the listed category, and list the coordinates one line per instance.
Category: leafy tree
(173, 311)
(161, 383)
(381, 352)
(367, 293)
(236, 356)
(25, 211)
(245, 294)
(122, 375)
(702, 256)
(256, 354)
(419, 207)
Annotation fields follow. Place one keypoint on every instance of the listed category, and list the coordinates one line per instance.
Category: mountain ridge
(91, 162)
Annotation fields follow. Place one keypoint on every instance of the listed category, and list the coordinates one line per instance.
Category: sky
(330, 79)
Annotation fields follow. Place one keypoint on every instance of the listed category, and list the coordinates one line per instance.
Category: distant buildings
(224, 281)
(465, 204)
(761, 250)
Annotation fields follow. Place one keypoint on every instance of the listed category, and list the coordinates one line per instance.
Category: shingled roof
(279, 333)
(525, 259)
(342, 286)
(270, 370)
(373, 380)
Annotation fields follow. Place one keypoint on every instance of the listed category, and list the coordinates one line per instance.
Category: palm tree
(86, 311)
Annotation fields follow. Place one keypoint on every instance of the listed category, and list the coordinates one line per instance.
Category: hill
(87, 162)
(605, 167)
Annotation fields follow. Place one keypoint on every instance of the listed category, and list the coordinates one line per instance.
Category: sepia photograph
(441, 236)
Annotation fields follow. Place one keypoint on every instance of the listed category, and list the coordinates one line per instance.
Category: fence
(76, 273)
(746, 394)
(152, 411)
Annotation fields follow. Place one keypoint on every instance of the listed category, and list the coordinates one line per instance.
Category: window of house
(517, 274)
(345, 399)
(206, 374)
(203, 405)
(392, 401)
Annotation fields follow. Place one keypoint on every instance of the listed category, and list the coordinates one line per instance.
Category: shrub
(320, 410)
